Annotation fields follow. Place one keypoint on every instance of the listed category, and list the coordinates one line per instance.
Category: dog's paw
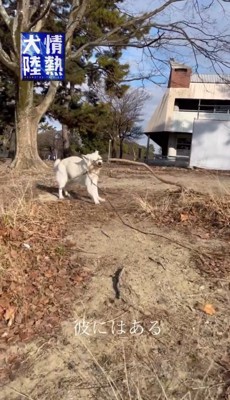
(101, 200)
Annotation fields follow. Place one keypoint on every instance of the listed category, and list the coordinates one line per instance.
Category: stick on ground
(141, 164)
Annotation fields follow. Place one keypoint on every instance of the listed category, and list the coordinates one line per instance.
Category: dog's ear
(85, 158)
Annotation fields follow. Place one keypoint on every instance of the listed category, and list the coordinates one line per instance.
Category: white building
(193, 119)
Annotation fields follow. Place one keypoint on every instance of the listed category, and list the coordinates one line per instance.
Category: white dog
(84, 171)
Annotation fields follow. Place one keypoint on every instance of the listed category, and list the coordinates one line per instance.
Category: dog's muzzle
(99, 163)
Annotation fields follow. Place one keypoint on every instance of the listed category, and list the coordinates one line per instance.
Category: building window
(202, 105)
(215, 106)
(186, 104)
(183, 143)
(183, 147)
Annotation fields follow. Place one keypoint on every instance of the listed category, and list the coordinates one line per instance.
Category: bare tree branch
(76, 15)
(4, 15)
(49, 97)
(5, 59)
(39, 21)
(103, 41)
(20, 22)
(126, 112)
(117, 160)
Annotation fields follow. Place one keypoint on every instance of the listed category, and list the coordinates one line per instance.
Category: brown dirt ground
(172, 253)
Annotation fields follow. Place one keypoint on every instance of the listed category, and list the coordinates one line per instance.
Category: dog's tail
(56, 163)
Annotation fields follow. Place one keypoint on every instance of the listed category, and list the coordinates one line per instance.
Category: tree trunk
(27, 120)
(66, 141)
(12, 147)
(113, 146)
(121, 148)
(27, 156)
(134, 154)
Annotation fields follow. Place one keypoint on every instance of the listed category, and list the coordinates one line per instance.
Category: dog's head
(93, 159)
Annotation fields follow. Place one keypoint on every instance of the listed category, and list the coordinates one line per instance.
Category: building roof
(209, 78)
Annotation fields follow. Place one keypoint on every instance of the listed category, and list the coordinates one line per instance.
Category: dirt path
(143, 282)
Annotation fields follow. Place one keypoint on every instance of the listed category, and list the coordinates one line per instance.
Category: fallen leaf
(11, 358)
(69, 243)
(1, 312)
(19, 318)
(209, 309)
(13, 287)
(17, 243)
(85, 274)
(78, 279)
(13, 253)
(4, 302)
(204, 235)
(183, 217)
(24, 335)
(49, 273)
(9, 315)
(15, 234)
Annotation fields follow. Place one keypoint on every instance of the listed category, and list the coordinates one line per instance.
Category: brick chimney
(179, 76)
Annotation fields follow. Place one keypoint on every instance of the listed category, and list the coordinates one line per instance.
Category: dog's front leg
(61, 197)
(94, 195)
(92, 190)
(95, 184)
(101, 199)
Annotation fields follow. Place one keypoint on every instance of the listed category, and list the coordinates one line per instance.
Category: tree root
(20, 164)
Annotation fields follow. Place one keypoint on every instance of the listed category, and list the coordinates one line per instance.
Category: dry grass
(17, 202)
(210, 213)
(135, 371)
(198, 216)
